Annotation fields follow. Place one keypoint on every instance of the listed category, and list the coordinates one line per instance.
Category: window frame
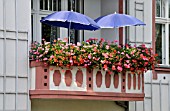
(37, 13)
(164, 20)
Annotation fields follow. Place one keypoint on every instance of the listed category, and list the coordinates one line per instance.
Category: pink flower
(127, 66)
(102, 61)
(89, 56)
(87, 40)
(143, 57)
(119, 63)
(119, 68)
(45, 59)
(78, 44)
(107, 47)
(95, 49)
(122, 53)
(51, 56)
(58, 39)
(105, 55)
(115, 41)
(85, 65)
(143, 46)
(102, 40)
(127, 56)
(127, 61)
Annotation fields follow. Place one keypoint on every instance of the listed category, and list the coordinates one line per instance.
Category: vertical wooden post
(89, 79)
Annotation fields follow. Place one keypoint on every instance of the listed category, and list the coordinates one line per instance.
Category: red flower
(113, 67)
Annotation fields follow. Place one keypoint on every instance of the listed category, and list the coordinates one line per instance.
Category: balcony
(51, 82)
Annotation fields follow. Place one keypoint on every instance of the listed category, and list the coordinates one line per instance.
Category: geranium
(92, 54)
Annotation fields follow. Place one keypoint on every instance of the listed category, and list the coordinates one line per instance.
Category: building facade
(20, 25)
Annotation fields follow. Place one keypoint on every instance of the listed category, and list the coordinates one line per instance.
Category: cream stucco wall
(74, 105)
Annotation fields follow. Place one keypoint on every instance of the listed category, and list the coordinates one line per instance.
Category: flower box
(91, 70)
(83, 83)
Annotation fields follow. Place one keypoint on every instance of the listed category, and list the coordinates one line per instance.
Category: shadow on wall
(73, 105)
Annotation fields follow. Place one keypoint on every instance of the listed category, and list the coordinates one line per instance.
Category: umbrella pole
(69, 35)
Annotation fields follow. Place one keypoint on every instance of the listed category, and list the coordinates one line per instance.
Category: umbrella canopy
(71, 20)
(117, 20)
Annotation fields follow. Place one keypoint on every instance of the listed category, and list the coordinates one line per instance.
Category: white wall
(15, 26)
(73, 105)
(157, 94)
(92, 8)
(109, 7)
(146, 17)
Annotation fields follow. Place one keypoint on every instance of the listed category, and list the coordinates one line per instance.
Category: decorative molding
(47, 94)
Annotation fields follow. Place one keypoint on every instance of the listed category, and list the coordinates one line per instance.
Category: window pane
(41, 4)
(46, 4)
(50, 5)
(159, 41)
(158, 8)
(69, 5)
(54, 5)
(163, 9)
(59, 5)
(49, 33)
(31, 4)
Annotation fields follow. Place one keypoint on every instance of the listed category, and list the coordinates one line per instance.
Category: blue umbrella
(70, 20)
(117, 20)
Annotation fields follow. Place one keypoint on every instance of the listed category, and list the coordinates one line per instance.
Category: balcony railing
(82, 83)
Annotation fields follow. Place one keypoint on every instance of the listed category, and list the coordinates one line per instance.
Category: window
(160, 8)
(50, 5)
(162, 31)
(40, 9)
(159, 40)
(49, 33)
